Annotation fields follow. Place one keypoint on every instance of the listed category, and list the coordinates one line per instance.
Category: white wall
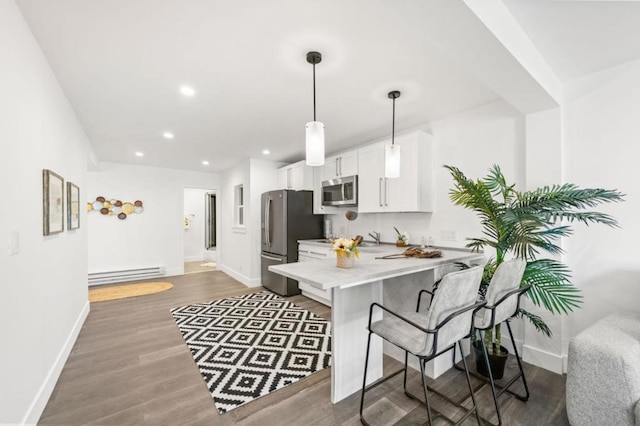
(240, 246)
(193, 242)
(152, 238)
(472, 141)
(43, 296)
(234, 255)
(602, 148)
(264, 177)
(544, 166)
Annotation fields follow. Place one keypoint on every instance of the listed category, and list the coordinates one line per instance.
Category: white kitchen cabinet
(318, 208)
(345, 164)
(371, 178)
(310, 252)
(412, 191)
(296, 176)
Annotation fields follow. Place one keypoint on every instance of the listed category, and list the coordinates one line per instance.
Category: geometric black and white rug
(248, 346)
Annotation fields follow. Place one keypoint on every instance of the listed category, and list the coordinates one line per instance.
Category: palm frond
(536, 321)
(471, 195)
(497, 184)
(560, 202)
(551, 286)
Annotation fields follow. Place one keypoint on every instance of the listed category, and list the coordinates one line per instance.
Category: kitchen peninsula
(392, 282)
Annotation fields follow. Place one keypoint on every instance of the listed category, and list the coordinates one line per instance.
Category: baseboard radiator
(126, 275)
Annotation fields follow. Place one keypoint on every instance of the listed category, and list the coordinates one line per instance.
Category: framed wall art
(53, 202)
(73, 206)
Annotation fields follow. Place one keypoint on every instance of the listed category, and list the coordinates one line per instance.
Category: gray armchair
(603, 377)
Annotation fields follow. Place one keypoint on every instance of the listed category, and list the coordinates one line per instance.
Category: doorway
(200, 230)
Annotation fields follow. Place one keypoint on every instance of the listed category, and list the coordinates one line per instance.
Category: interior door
(210, 221)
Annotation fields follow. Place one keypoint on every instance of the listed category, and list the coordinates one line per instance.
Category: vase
(345, 260)
(401, 244)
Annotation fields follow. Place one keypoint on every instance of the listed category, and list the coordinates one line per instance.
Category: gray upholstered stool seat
(603, 377)
(402, 334)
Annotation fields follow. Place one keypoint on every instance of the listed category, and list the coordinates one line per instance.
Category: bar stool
(503, 301)
(426, 336)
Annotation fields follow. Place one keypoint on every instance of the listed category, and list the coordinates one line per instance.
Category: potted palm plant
(529, 225)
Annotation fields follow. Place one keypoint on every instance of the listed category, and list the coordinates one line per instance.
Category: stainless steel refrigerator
(287, 216)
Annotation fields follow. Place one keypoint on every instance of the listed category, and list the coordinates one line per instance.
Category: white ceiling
(580, 37)
(121, 63)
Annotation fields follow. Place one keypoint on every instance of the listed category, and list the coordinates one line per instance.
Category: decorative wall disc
(128, 208)
(114, 207)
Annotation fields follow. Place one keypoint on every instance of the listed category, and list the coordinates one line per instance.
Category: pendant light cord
(393, 123)
(314, 92)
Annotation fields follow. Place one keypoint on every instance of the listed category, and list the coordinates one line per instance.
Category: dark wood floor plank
(130, 366)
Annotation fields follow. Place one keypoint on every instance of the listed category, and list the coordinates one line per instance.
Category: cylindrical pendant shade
(315, 143)
(392, 161)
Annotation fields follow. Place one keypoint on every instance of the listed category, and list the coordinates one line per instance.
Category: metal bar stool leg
(364, 380)
(466, 371)
(406, 363)
(491, 381)
(524, 380)
(424, 387)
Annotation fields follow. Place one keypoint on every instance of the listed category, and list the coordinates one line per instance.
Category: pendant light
(314, 129)
(392, 152)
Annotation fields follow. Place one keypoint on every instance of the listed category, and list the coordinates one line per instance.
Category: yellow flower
(346, 246)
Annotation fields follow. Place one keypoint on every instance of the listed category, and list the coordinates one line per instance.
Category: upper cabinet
(412, 191)
(345, 164)
(318, 208)
(296, 176)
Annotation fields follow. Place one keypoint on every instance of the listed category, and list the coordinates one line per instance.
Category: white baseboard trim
(547, 360)
(174, 271)
(44, 393)
(256, 282)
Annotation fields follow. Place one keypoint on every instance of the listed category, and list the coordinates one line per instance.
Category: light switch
(14, 243)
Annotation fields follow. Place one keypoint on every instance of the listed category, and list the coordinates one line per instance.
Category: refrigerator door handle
(277, 259)
(267, 219)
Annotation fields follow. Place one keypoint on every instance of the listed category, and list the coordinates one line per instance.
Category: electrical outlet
(448, 235)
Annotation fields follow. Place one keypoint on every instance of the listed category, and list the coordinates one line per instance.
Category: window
(239, 205)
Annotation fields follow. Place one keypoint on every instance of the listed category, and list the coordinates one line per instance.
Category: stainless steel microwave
(340, 191)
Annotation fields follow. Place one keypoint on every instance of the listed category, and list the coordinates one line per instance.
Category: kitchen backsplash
(417, 225)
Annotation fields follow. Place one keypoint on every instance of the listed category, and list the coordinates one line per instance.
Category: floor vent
(125, 275)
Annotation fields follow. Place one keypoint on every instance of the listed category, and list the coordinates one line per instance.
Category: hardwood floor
(130, 366)
(199, 266)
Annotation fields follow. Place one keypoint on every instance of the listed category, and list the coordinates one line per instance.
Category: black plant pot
(496, 362)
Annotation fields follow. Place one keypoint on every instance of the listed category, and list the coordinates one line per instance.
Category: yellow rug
(129, 290)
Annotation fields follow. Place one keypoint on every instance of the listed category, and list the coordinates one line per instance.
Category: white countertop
(325, 274)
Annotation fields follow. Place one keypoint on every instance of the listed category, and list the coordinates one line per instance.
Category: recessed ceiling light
(205, 163)
(187, 91)
(266, 152)
(168, 135)
(139, 154)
